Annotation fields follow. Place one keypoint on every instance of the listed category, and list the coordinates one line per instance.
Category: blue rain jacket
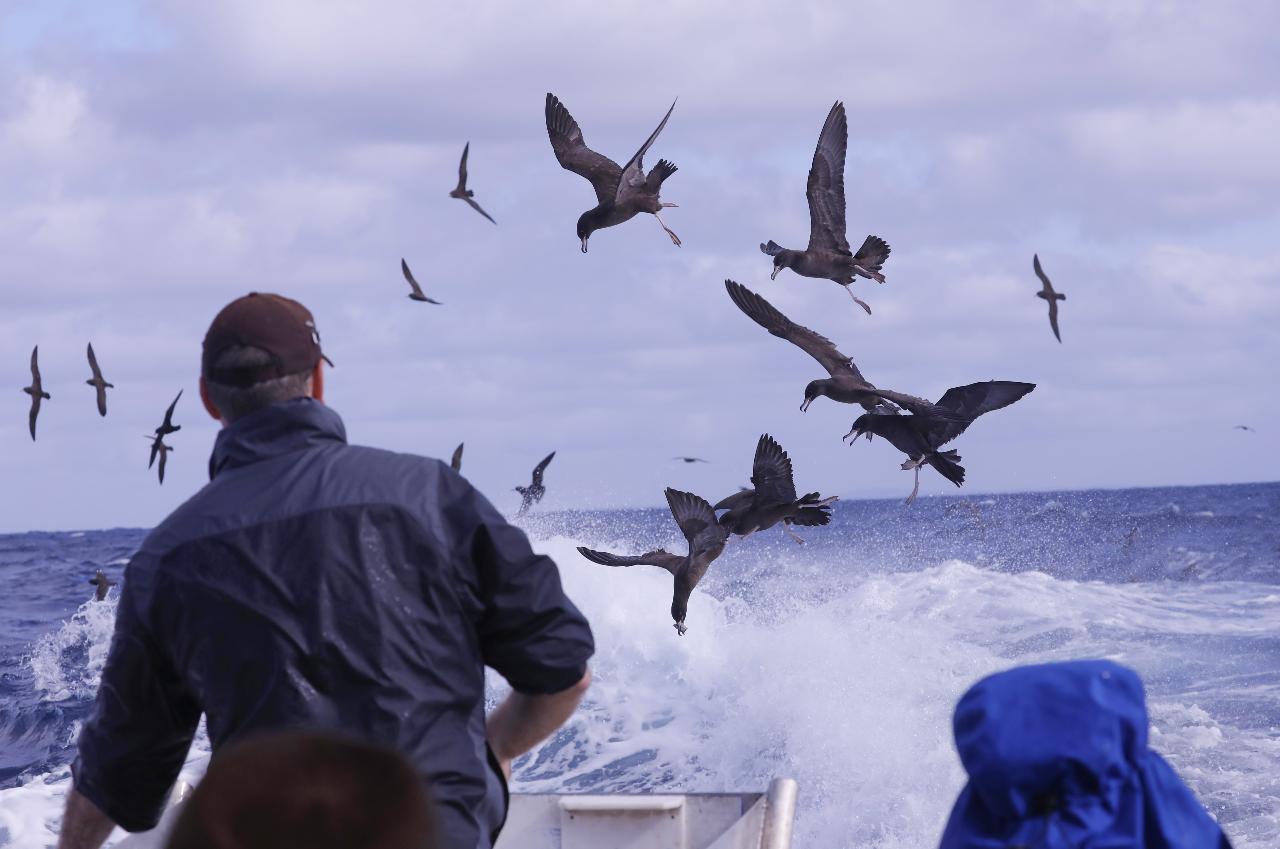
(1057, 759)
(321, 585)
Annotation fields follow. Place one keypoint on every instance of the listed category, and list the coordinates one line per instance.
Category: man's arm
(524, 720)
(83, 825)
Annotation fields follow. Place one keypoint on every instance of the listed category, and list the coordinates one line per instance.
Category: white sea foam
(846, 683)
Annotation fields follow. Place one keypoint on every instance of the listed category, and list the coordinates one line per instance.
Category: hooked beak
(584, 244)
(804, 408)
(774, 275)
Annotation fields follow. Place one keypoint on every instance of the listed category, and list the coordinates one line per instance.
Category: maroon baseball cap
(281, 326)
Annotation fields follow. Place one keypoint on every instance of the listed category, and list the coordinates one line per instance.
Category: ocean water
(837, 663)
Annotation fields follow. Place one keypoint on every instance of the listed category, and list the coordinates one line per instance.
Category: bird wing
(540, 468)
(455, 462)
(93, 364)
(35, 411)
(966, 403)
(659, 557)
(462, 169)
(771, 472)
(911, 403)
(155, 449)
(692, 514)
(168, 414)
(1044, 278)
(477, 208)
(826, 185)
(35, 368)
(633, 172)
(812, 343)
(408, 275)
(164, 456)
(573, 154)
(1053, 318)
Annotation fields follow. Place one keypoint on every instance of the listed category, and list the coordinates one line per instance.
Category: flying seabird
(36, 391)
(706, 537)
(532, 494)
(416, 294)
(689, 459)
(1244, 428)
(456, 462)
(1049, 295)
(828, 254)
(160, 449)
(846, 384)
(930, 426)
(101, 584)
(167, 426)
(773, 498)
(462, 192)
(98, 383)
(620, 192)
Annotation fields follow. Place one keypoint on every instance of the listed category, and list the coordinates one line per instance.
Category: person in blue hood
(1057, 758)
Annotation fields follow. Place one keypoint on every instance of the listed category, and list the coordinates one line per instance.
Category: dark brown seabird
(532, 494)
(706, 537)
(1049, 295)
(846, 384)
(101, 584)
(689, 459)
(931, 426)
(462, 192)
(455, 462)
(167, 426)
(773, 498)
(828, 255)
(416, 294)
(98, 383)
(36, 391)
(160, 449)
(621, 192)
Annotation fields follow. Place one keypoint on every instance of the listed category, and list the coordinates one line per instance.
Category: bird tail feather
(948, 465)
(660, 172)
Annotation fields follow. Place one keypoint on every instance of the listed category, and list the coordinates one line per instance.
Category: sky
(161, 158)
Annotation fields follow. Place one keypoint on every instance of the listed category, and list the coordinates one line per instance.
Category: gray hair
(235, 402)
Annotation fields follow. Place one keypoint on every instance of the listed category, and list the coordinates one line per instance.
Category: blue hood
(1057, 758)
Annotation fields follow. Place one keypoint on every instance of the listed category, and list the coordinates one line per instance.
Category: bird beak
(804, 408)
(584, 244)
(774, 275)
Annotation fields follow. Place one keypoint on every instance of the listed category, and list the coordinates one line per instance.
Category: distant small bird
(1244, 428)
(532, 494)
(828, 255)
(161, 450)
(167, 426)
(930, 426)
(101, 584)
(456, 462)
(706, 537)
(416, 294)
(846, 384)
(689, 459)
(773, 498)
(462, 192)
(621, 193)
(1049, 295)
(98, 383)
(36, 391)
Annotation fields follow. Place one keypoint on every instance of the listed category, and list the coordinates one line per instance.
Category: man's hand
(523, 720)
(84, 826)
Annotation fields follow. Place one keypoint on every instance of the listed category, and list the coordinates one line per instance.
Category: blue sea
(837, 662)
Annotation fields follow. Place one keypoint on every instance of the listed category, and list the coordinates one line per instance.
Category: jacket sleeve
(136, 740)
(529, 630)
